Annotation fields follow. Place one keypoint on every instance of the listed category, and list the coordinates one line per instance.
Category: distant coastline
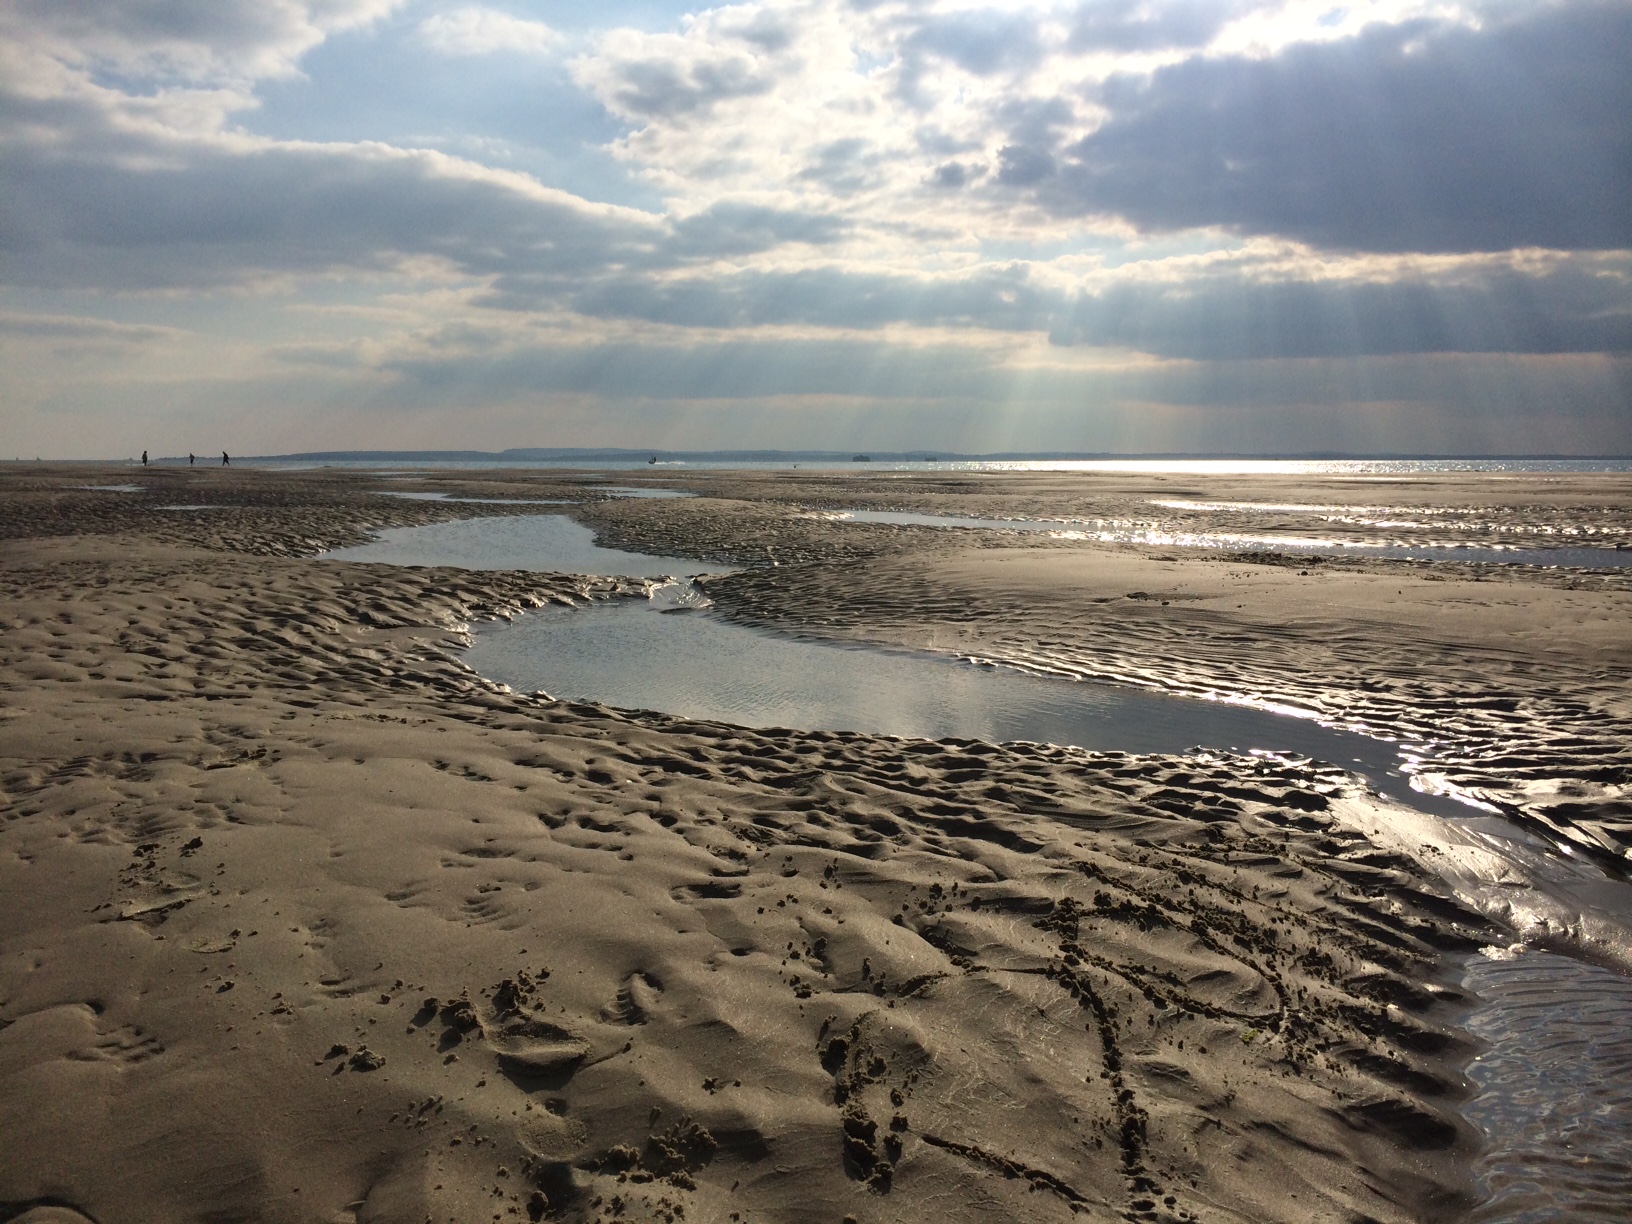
(624, 454)
(632, 458)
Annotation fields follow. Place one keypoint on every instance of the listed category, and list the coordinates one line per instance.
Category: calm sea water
(1180, 466)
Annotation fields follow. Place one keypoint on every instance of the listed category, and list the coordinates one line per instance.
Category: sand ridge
(299, 919)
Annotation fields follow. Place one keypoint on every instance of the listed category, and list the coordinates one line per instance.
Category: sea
(1199, 465)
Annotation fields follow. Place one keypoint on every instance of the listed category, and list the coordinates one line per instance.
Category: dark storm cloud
(1404, 138)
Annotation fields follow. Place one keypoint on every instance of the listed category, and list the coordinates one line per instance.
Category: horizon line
(924, 455)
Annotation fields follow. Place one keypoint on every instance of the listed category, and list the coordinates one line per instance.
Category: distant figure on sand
(225, 462)
(144, 458)
(190, 459)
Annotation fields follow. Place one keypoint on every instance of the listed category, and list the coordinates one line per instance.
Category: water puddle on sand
(552, 543)
(641, 491)
(1149, 534)
(476, 501)
(1554, 1087)
(667, 656)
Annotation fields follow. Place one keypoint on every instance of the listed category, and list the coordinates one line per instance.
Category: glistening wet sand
(258, 817)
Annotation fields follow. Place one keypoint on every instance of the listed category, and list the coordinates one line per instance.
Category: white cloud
(483, 31)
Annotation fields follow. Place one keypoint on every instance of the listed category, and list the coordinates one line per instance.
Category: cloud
(721, 367)
(862, 177)
(80, 327)
(1415, 137)
(1139, 25)
(983, 42)
(188, 40)
(115, 209)
(484, 31)
(732, 228)
(976, 399)
(1395, 126)
(1255, 306)
(1234, 312)
(680, 78)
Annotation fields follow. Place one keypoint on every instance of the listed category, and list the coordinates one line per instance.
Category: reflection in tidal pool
(633, 655)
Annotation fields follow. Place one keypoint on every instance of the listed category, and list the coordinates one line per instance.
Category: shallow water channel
(679, 659)
(1552, 1088)
(1564, 558)
(552, 543)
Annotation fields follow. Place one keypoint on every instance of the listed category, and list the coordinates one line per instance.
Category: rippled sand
(300, 919)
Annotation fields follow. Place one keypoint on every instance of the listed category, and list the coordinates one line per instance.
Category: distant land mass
(590, 455)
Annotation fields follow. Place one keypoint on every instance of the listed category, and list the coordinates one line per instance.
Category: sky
(271, 226)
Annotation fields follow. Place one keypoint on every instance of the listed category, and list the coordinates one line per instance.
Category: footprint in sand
(126, 1046)
(548, 1136)
(637, 997)
(532, 1051)
(531, 1048)
(154, 904)
(72, 1031)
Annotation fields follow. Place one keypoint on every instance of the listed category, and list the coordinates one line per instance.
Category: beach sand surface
(302, 920)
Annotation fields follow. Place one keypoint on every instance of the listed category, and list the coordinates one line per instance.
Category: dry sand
(301, 920)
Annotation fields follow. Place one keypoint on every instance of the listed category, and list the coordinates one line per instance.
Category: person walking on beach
(225, 462)
(144, 458)
(190, 459)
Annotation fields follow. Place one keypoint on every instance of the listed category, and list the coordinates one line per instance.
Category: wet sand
(1518, 679)
(302, 920)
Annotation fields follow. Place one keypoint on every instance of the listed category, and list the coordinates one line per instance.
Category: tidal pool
(677, 659)
(552, 543)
